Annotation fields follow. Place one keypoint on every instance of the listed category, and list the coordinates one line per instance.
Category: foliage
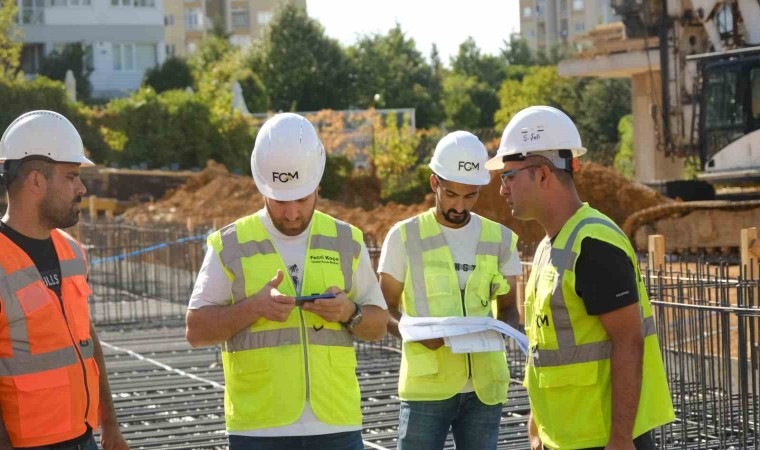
(624, 162)
(602, 103)
(338, 170)
(517, 52)
(463, 102)
(540, 86)
(302, 68)
(394, 153)
(70, 57)
(470, 62)
(11, 40)
(21, 96)
(211, 50)
(174, 128)
(392, 73)
(174, 73)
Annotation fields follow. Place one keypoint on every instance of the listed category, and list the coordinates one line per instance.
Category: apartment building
(548, 23)
(122, 38)
(188, 21)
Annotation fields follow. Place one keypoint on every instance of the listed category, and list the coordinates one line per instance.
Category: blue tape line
(148, 249)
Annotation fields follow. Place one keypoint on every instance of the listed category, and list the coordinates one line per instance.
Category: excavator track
(694, 227)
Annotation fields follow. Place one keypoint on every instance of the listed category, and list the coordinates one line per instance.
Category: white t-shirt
(213, 287)
(463, 244)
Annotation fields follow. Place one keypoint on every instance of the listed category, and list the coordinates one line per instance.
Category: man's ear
(433, 182)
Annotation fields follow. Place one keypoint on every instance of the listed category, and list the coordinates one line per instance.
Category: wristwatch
(355, 319)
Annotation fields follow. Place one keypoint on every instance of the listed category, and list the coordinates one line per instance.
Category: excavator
(709, 113)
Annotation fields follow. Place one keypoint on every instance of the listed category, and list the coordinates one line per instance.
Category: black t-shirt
(604, 277)
(42, 253)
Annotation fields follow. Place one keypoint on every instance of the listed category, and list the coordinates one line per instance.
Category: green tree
(517, 52)
(624, 158)
(174, 73)
(11, 40)
(468, 102)
(395, 152)
(390, 68)
(602, 103)
(540, 86)
(300, 66)
(470, 61)
(71, 57)
(211, 50)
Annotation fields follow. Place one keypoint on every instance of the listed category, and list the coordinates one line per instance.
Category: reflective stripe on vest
(231, 256)
(568, 352)
(416, 246)
(23, 361)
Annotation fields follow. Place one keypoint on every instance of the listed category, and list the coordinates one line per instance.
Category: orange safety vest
(48, 375)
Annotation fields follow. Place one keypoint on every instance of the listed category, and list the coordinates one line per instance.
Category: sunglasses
(509, 174)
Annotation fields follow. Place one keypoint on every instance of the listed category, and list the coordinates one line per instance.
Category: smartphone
(301, 299)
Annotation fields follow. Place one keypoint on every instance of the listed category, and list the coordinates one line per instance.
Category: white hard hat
(43, 133)
(461, 157)
(288, 158)
(537, 129)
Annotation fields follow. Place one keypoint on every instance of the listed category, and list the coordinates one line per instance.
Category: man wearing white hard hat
(289, 360)
(450, 262)
(594, 374)
(53, 384)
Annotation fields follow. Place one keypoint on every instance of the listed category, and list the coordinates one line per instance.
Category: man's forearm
(626, 365)
(394, 315)
(213, 324)
(372, 326)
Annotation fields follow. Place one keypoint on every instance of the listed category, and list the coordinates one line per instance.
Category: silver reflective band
(577, 354)
(22, 363)
(254, 340)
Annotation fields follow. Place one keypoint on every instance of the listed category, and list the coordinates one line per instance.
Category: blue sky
(444, 22)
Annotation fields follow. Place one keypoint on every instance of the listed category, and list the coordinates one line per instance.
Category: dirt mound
(216, 197)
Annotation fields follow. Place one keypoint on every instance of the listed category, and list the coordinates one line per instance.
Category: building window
(171, 50)
(193, 19)
(131, 57)
(263, 18)
(169, 20)
(240, 19)
(527, 11)
(580, 27)
(135, 3)
(145, 56)
(578, 5)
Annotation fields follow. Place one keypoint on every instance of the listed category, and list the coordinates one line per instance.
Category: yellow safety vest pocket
(573, 396)
(424, 363)
(499, 367)
(252, 377)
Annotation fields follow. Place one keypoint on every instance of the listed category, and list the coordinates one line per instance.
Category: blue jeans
(425, 425)
(351, 440)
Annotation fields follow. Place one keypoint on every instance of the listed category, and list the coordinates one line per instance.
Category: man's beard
(55, 214)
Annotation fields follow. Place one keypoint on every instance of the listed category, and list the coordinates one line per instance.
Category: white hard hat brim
(497, 162)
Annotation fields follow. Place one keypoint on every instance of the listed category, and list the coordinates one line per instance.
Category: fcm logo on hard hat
(288, 158)
(461, 157)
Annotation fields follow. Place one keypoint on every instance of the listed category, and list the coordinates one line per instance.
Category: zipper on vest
(79, 357)
(305, 344)
(464, 314)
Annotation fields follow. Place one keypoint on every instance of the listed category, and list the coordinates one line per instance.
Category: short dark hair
(23, 168)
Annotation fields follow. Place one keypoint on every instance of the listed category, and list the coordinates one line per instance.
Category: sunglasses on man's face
(509, 175)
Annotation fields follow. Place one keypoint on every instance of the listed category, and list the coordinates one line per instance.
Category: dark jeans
(425, 425)
(351, 440)
(87, 445)
(643, 442)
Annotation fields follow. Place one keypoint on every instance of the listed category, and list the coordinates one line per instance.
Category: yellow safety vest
(431, 289)
(568, 373)
(272, 368)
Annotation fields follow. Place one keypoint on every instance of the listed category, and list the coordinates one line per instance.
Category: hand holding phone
(301, 299)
